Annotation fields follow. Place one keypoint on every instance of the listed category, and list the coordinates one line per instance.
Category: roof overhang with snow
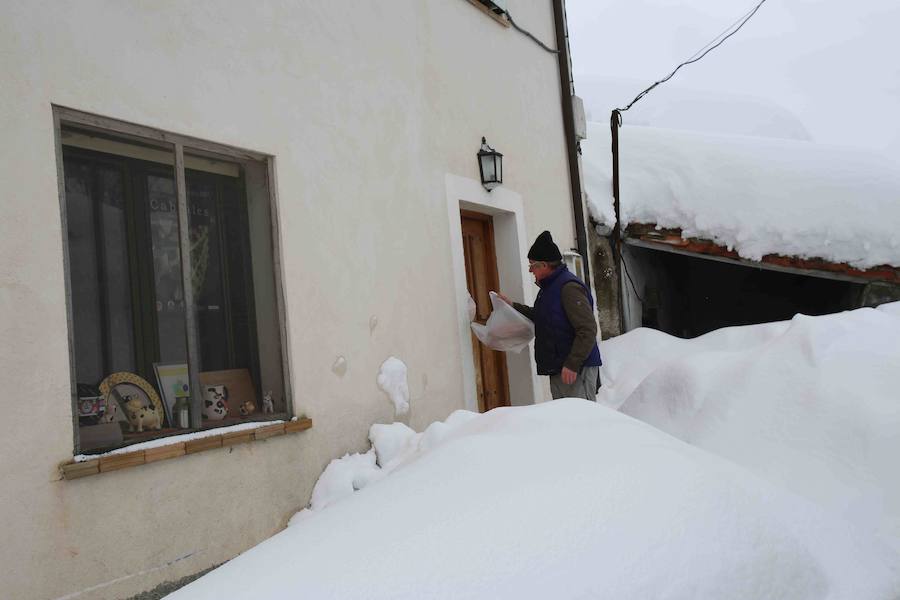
(780, 204)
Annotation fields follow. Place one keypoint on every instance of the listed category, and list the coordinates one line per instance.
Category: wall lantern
(490, 163)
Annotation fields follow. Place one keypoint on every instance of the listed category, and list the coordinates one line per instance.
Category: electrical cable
(529, 34)
(627, 274)
(702, 52)
(724, 31)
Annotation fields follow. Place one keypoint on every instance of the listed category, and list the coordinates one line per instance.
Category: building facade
(315, 161)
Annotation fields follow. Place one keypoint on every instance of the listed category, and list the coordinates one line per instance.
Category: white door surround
(505, 206)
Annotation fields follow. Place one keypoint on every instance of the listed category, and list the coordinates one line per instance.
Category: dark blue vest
(553, 333)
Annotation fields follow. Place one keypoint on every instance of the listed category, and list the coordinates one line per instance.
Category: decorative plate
(123, 381)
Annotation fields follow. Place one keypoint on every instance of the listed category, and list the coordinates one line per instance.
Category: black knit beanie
(544, 249)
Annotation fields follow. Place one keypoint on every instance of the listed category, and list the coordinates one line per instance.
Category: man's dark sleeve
(578, 310)
(525, 310)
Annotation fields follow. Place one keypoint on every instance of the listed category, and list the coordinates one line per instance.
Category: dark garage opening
(688, 296)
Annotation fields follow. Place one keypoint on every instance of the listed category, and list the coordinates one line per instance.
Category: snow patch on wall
(392, 381)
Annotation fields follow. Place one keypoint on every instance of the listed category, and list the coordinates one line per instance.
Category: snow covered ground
(754, 195)
(752, 462)
(811, 404)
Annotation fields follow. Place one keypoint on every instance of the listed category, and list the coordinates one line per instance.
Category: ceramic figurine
(268, 406)
(247, 408)
(110, 411)
(140, 415)
(214, 407)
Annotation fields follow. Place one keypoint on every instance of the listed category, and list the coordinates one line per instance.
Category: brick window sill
(124, 460)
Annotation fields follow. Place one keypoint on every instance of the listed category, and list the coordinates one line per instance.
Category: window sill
(134, 458)
(501, 19)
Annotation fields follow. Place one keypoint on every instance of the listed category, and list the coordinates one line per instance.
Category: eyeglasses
(533, 264)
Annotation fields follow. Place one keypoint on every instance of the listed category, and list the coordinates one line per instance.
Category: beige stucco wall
(366, 106)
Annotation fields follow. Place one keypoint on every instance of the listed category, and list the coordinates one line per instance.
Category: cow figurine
(140, 415)
(214, 407)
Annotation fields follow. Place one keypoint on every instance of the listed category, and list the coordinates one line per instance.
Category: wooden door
(481, 278)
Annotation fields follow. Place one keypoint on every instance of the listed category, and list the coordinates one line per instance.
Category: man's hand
(504, 298)
(568, 376)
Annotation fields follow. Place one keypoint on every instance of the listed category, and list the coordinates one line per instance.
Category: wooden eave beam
(671, 239)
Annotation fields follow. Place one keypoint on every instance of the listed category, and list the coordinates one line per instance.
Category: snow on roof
(676, 107)
(754, 195)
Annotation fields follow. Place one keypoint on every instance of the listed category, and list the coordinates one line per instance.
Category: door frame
(507, 210)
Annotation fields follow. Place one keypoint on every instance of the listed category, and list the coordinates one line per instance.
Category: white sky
(834, 64)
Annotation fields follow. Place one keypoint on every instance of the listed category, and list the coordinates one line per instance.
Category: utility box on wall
(579, 118)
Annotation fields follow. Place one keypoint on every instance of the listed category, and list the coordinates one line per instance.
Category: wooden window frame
(176, 143)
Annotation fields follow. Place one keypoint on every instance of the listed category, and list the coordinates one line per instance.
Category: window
(152, 356)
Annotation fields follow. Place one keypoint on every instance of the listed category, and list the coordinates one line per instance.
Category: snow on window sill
(179, 445)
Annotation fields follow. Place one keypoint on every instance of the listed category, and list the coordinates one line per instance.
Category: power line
(702, 52)
(625, 265)
(724, 31)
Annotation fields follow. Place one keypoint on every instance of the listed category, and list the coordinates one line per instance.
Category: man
(565, 333)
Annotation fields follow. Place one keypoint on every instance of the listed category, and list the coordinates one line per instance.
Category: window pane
(98, 256)
(265, 336)
(237, 263)
(116, 277)
(100, 272)
(84, 273)
(234, 287)
(207, 272)
(168, 291)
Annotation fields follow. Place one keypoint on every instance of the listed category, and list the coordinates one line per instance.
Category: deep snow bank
(566, 499)
(393, 445)
(811, 404)
(755, 195)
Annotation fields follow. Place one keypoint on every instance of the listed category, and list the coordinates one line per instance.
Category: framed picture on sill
(174, 383)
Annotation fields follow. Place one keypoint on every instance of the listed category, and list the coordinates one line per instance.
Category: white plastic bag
(506, 329)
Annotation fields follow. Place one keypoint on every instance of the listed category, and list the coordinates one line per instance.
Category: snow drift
(566, 499)
(811, 404)
(781, 485)
(755, 195)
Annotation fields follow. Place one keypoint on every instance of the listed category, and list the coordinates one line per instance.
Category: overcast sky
(834, 64)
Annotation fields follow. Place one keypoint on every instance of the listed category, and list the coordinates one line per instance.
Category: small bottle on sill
(182, 413)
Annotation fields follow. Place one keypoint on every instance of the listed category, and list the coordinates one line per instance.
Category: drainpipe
(615, 121)
(565, 81)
